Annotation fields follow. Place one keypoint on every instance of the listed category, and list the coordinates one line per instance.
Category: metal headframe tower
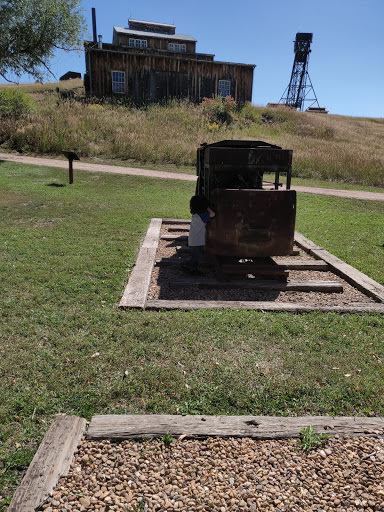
(298, 90)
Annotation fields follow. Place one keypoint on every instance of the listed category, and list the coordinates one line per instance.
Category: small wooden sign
(71, 157)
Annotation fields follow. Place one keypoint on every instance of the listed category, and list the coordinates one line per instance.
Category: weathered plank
(305, 243)
(317, 265)
(259, 427)
(299, 307)
(176, 261)
(178, 228)
(174, 237)
(353, 276)
(51, 461)
(176, 221)
(244, 269)
(135, 293)
(297, 286)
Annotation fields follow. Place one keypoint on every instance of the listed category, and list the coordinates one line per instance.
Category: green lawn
(66, 252)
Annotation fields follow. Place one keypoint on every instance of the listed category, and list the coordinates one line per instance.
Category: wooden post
(70, 170)
(71, 157)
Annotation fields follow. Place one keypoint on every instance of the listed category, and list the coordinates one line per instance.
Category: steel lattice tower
(297, 91)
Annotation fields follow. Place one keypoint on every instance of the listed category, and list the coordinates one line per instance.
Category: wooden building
(150, 62)
(69, 75)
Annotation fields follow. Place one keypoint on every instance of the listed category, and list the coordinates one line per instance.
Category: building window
(138, 43)
(224, 89)
(118, 82)
(177, 47)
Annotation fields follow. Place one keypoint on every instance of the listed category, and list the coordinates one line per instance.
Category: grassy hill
(327, 147)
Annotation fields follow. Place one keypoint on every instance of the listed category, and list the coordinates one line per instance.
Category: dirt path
(114, 169)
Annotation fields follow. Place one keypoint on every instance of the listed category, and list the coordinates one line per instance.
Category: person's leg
(198, 255)
(196, 252)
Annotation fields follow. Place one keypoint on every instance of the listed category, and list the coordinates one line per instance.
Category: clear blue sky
(346, 65)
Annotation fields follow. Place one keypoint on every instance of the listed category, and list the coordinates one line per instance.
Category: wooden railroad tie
(292, 307)
(296, 286)
(350, 274)
(120, 427)
(178, 228)
(176, 221)
(51, 461)
(290, 265)
(174, 237)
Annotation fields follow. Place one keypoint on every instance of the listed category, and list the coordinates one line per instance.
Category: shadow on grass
(55, 185)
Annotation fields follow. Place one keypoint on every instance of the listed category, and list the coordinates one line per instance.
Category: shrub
(15, 104)
(219, 110)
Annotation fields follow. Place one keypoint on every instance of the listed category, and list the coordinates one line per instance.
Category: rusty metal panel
(265, 157)
(251, 223)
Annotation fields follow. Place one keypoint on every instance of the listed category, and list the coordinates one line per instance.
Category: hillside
(327, 147)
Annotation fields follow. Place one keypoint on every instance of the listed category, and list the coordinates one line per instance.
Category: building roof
(152, 23)
(160, 35)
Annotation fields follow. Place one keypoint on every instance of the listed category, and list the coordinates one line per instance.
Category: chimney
(100, 44)
(94, 24)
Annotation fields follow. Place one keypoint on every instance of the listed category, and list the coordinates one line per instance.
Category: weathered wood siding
(156, 42)
(151, 77)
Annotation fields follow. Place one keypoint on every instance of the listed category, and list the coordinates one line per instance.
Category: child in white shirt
(201, 215)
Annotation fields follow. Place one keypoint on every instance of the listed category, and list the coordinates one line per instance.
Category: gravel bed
(220, 475)
(163, 275)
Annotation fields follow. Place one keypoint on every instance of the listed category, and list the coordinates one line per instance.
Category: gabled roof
(160, 35)
(152, 23)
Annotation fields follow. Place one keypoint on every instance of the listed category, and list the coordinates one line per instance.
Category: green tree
(31, 31)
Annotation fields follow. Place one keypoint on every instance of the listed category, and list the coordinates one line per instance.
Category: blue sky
(346, 65)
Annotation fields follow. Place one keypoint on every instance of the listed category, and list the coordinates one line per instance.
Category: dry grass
(327, 147)
(37, 89)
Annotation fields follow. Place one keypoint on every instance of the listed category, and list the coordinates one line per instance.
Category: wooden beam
(174, 237)
(304, 265)
(353, 276)
(51, 461)
(290, 265)
(300, 307)
(174, 261)
(176, 221)
(305, 243)
(136, 292)
(178, 228)
(257, 427)
(245, 268)
(297, 286)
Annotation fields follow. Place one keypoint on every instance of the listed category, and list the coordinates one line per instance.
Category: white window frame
(138, 43)
(224, 88)
(118, 82)
(177, 47)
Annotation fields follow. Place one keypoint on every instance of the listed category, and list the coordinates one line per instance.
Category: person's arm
(211, 212)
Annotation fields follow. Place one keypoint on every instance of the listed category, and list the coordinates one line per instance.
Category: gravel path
(114, 169)
(220, 475)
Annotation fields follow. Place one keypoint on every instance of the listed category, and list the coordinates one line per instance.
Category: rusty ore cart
(255, 219)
